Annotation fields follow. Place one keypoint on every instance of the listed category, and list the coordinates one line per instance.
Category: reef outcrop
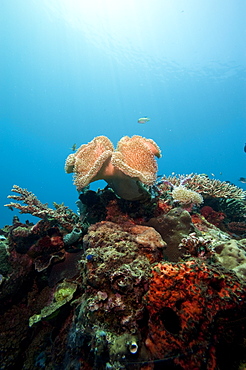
(147, 284)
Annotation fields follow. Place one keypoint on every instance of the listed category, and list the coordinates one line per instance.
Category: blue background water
(72, 70)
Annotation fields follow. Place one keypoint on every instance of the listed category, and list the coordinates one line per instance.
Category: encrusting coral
(125, 170)
(184, 301)
(232, 255)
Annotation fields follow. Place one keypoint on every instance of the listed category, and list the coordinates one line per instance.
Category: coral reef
(64, 293)
(238, 227)
(136, 280)
(208, 188)
(235, 209)
(212, 216)
(196, 246)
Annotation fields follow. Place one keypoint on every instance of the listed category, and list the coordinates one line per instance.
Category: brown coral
(173, 227)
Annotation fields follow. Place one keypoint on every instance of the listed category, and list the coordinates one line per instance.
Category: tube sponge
(72, 237)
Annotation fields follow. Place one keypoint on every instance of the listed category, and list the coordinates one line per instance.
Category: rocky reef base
(144, 286)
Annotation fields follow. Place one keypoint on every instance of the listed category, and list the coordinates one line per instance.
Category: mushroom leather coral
(88, 160)
(183, 301)
(124, 170)
(135, 157)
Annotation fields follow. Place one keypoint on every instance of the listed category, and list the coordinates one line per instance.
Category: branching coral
(64, 216)
(125, 170)
(208, 188)
(186, 196)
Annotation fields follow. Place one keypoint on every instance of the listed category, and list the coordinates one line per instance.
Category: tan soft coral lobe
(135, 157)
(87, 162)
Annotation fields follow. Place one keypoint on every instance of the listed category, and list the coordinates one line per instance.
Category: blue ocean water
(72, 70)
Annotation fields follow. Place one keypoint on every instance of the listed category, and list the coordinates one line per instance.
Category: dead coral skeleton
(208, 188)
(62, 214)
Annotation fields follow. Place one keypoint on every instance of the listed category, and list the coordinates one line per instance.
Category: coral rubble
(144, 284)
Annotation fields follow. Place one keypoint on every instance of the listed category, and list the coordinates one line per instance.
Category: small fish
(212, 174)
(143, 120)
(243, 180)
(245, 147)
(74, 147)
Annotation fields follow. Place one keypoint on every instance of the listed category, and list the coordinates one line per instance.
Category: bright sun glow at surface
(181, 31)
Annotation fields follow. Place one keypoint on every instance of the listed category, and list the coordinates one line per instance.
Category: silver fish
(143, 120)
